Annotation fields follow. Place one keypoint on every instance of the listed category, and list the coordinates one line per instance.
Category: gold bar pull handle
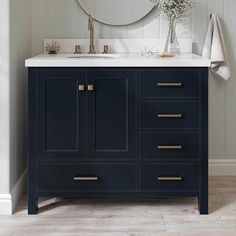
(90, 87)
(169, 115)
(81, 87)
(78, 178)
(169, 85)
(177, 178)
(165, 147)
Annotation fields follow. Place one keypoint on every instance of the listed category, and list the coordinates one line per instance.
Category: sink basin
(94, 56)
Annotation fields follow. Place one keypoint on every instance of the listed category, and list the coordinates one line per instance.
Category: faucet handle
(77, 49)
(106, 49)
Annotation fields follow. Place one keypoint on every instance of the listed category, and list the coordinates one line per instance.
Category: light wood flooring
(165, 217)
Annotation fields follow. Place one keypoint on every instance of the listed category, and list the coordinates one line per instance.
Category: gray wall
(21, 35)
(64, 19)
(15, 47)
(4, 97)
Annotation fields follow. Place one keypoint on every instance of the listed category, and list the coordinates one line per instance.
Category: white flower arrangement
(174, 10)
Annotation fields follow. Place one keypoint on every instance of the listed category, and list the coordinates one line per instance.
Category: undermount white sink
(95, 56)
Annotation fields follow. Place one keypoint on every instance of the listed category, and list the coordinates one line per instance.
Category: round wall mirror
(117, 12)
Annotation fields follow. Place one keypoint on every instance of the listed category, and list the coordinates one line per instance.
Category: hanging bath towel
(215, 49)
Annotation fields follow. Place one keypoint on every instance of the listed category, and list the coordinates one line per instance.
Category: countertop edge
(185, 60)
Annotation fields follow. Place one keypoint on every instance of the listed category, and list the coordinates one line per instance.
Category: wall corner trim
(8, 202)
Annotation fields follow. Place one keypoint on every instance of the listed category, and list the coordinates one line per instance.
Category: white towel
(215, 49)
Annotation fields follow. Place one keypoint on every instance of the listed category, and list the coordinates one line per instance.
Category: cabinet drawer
(86, 177)
(169, 115)
(177, 83)
(169, 177)
(168, 147)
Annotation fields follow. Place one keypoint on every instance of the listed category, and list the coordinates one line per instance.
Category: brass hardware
(81, 87)
(170, 147)
(77, 49)
(170, 84)
(90, 87)
(91, 29)
(169, 178)
(106, 49)
(85, 178)
(170, 115)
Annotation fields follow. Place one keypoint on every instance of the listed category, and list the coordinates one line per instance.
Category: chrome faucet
(91, 29)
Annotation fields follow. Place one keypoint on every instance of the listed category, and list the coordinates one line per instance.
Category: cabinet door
(111, 114)
(60, 113)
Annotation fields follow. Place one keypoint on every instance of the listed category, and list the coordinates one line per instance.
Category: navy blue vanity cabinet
(118, 132)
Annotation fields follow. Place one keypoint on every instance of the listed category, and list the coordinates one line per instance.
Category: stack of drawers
(170, 131)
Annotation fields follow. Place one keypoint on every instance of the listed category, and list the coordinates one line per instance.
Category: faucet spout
(91, 29)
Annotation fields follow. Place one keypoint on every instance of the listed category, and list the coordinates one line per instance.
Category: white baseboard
(5, 204)
(8, 202)
(222, 167)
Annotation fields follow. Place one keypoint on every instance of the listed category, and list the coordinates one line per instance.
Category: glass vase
(172, 43)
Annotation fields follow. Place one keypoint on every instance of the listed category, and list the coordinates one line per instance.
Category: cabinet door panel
(111, 115)
(61, 114)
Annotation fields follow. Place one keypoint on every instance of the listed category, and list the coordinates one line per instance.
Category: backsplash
(118, 45)
(65, 19)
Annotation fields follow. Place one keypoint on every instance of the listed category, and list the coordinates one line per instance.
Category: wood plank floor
(164, 217)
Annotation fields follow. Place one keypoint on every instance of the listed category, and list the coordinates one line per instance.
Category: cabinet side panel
(203, 198)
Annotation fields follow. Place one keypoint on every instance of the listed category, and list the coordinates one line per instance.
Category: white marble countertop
(116, 60)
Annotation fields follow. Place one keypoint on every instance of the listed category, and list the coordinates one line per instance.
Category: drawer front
(169, 115)
(86, 177)
(169, 177)
(169, 147)
(177, 83)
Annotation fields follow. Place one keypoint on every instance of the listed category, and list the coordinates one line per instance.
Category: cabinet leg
(203, 205)
(32, 205)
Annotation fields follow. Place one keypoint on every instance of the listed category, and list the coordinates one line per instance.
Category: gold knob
(169, 178)
(90, 87)
(78, 178)
(81, 87)
(170, 147)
